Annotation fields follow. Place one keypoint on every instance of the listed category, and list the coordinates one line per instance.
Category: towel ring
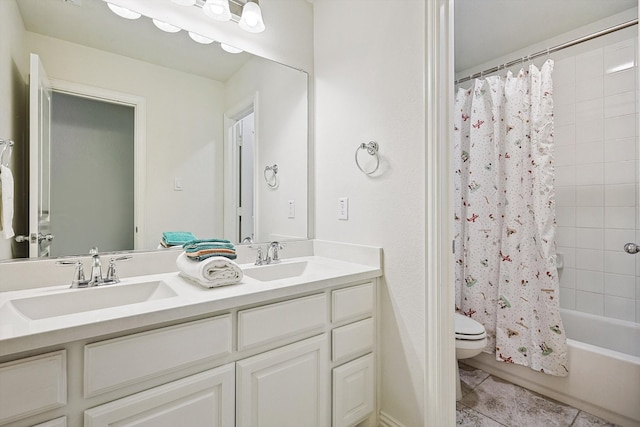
(372, 149)
(271, 175)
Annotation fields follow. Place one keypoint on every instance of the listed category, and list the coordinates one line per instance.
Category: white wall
(281, 138)
(369, 71)
(184, 132)
(13, 71)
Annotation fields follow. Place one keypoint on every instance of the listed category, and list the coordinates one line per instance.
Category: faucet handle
(258, 248)
(112, 275)
(276, 247)
(78, 280)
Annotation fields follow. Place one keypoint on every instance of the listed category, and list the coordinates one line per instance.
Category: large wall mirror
(150, 132)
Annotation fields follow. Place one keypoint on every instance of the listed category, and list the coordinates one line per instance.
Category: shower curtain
(506, 276)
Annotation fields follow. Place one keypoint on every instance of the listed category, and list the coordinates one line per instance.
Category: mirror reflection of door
(244, 135)
(94, 140)
(40, 98)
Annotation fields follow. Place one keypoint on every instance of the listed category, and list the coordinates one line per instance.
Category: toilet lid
(468, 329)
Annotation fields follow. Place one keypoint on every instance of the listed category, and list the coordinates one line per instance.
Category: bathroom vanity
(292, 345)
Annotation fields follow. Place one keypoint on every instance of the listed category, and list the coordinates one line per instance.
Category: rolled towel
(210, 273)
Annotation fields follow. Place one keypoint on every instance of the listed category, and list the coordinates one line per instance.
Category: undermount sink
(96, 298)
(269, 272)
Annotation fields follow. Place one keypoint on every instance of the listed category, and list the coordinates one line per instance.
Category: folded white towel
(6, 178)
(211, 272)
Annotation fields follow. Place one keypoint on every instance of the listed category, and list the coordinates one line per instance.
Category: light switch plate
(292, 208)
(343, 208)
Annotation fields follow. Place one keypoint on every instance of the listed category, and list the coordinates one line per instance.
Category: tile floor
(488, 401)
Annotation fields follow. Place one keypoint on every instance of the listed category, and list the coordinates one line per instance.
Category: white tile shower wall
(596, 137)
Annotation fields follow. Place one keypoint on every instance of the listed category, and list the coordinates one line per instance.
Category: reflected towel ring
(272, 180)
(372, 149)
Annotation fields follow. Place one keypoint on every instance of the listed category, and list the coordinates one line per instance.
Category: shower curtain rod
(551, 50)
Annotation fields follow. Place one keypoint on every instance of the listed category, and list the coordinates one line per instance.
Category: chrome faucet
(96, 268)
(79, 281)
(270, 256)
(272, 252)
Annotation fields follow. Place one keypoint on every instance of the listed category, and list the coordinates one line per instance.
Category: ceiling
(488, 29)
(91, 23)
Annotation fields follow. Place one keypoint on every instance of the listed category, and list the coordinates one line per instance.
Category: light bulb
(230, 49)
(165, 27)
(184, 2)
(200, 39)
(251, 19)
(217, 9)
(123, 12)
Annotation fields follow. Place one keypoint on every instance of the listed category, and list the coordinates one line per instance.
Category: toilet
(471, 339)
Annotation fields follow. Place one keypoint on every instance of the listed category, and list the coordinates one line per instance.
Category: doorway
(92, 174)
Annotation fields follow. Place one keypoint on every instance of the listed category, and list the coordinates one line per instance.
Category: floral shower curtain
(506, 276)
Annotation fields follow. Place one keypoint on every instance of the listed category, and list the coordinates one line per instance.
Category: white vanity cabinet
(353, 343)
(32, 385)
(304, 359)
(286, 387)
(204, 399)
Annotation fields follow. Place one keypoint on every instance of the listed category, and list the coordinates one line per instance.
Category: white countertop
(19, 333)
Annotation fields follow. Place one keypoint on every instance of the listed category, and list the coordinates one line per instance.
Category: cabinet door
(285, 387)
(205, 399)
(353, 392)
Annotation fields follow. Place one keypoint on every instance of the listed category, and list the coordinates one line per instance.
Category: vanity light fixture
(165, 27)
(251, 19)
(184, 2)
(123, 12)
(200, 39)
(217, 9)
(246, 13)
(230, 49)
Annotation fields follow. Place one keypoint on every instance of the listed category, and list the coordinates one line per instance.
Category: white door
(286, 387)
(205, 399)
(246, 178)
(39, 159)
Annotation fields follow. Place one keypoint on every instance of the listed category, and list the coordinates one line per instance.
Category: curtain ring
(272, 179)
(372, 149)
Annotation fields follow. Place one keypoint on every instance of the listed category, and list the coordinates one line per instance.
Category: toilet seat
(468, 329)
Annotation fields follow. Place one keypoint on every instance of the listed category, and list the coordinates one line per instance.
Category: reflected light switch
(292, 208)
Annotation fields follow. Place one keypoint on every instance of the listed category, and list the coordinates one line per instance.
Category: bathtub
(604, 369)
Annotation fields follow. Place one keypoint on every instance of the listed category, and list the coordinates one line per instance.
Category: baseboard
(385, 420)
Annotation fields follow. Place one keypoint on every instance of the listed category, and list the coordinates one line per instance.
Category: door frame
(439, 379)
(139, 142)
(231, 170)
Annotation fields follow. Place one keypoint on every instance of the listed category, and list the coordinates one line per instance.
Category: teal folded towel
(175, 238)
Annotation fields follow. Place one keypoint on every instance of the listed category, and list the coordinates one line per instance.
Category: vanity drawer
(283, 322)
(114, 363)
(32, 385)
(58, 422)
(352, 339)
(351, 303)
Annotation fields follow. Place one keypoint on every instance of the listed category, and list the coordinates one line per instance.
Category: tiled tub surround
(596, 137)
(163, 356)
